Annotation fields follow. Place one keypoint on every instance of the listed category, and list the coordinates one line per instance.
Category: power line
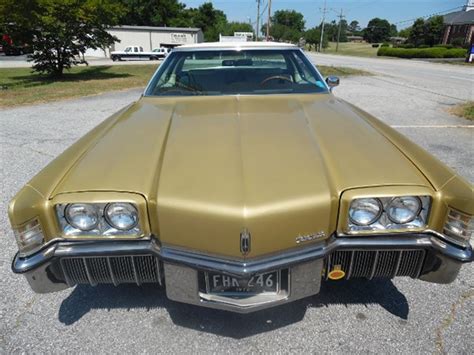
(430, 15)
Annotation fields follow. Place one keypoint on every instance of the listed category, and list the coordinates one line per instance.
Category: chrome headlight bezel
(385, 224)
(102, 229)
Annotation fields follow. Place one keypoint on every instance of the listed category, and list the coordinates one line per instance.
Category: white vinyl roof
(232, 45)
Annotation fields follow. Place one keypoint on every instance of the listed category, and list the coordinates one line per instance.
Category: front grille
(376, 263)
(138, 269)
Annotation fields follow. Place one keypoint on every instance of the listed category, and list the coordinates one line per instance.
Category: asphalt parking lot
(398, 316)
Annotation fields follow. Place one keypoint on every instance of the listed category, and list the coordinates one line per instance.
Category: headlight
(459, 227)
(122, 216)
(387, 214)
(98, 219)
(365, 211)
(402, 210)
(29, 237)
(82, 216)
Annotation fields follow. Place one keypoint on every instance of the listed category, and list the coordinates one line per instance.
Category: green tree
(210, 20)
(286, 25)
(354, 27)
(429, 32)
(313, 37)
(417, 33)
(59, 31)
(289, 18)
(152, 12)
(332, 31)
(405, 32)
(378, 30)
(393, 30)
(434, 30)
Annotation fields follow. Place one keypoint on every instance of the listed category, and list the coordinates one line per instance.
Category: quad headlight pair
(117, 218)
(388, 213)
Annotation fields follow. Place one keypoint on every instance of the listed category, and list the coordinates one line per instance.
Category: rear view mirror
(332, 81)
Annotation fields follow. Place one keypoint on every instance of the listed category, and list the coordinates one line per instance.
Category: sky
(400, 12)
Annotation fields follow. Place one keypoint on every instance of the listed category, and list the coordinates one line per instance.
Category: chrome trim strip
(420, 265)
(399, 260)
(111, 272)
(240, 268)
(351, 264)
(158, 272)
(89, 277)
(134, 268)
(67, 279)
(374, 266)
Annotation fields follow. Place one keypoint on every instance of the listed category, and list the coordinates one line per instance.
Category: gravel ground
(399, 316)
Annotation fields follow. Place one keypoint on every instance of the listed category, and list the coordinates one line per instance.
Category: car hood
(212, 166)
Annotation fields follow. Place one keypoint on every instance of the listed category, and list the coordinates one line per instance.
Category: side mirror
(332, 82)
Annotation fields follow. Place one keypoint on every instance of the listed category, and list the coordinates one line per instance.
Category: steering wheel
(186, 87)
(276, 77)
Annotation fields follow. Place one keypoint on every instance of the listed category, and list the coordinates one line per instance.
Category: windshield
(230, 72)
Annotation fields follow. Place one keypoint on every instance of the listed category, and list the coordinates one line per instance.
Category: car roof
(235, 45)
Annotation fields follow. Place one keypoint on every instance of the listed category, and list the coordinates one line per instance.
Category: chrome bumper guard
(44, 271)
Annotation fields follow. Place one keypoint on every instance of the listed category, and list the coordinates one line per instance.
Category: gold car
(239, 181)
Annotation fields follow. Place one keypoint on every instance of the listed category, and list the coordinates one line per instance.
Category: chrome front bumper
(179, 268)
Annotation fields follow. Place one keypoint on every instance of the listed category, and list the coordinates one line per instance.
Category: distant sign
(247, 35)
(178, 38)
(232, 38)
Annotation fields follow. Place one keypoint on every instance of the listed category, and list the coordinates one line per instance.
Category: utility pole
(341, 17)
(322, 28)
(257, 30)
(268, 21)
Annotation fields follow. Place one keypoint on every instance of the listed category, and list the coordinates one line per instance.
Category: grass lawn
(465, 110)
(23, 87)
(19, 86)
(350, 48)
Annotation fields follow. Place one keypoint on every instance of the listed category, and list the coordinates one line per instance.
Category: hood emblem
(245, 241)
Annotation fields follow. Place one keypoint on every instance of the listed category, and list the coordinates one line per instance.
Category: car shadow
(84, 298)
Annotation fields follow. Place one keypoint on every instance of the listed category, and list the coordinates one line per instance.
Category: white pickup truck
(137, 53)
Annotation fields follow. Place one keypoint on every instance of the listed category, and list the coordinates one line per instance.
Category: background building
(148, 38)
(460, 25)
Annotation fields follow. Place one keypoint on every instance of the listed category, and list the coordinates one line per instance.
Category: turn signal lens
(459, 227)
(29, 237)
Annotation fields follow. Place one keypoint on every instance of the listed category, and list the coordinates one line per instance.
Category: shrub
(375, 45)
(423, 46)
(404, 45)
(447, 46)
(385, 44)
(435, 52)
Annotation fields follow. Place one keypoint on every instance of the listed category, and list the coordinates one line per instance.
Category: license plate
(224, 284)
